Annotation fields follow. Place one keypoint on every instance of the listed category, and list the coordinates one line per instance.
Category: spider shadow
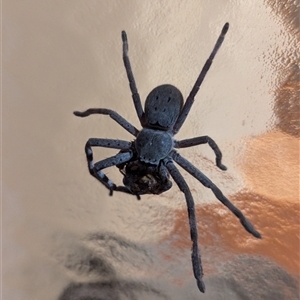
(101, 253)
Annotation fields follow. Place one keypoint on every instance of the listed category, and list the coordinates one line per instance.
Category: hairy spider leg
(135, 95)
(114, 115)
(203, 140)
(120, 158)
(186, 165)
(89, 154)
(190, 99)
(195, 256)
(124, 189)
(95, 169)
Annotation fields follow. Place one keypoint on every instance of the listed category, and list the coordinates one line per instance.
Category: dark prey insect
(142, 178)
(148, 161)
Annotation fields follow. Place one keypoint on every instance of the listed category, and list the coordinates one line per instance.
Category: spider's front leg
(203, 140)
(186, 165)
(95, 169)
(196, 256)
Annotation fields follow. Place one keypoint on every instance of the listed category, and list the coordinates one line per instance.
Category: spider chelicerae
(148, 161)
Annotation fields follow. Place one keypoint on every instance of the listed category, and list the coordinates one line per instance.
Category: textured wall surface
(63, 236)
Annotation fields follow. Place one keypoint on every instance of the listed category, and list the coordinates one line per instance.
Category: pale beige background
(59, 224)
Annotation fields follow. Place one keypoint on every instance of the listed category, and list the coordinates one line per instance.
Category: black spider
(147, 161)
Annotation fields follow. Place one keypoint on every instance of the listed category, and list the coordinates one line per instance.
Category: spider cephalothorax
(148, 161)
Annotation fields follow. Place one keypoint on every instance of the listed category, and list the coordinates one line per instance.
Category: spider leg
(185, 164)
(196, 256)
(120, 158)
(95, 169)
(203, 140)
(133, 88)
(190, 99)
(115, 116)
(163, 172)
(125, 190)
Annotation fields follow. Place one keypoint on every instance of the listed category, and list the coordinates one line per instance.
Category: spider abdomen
(153, 145)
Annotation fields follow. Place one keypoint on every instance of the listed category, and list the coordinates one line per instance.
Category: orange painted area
(271, 169)
(270, 166)
(278, 224)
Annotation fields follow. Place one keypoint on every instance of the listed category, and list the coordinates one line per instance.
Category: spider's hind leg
(135, 94)
(114, 115)
(191, 98)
